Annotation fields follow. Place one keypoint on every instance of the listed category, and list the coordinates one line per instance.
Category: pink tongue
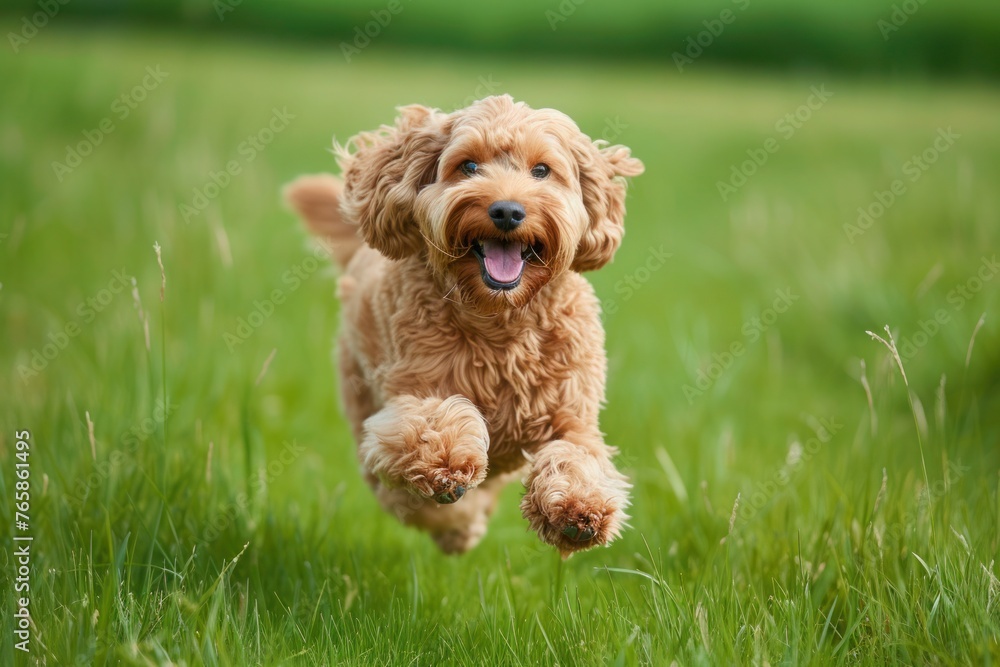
(503, 260)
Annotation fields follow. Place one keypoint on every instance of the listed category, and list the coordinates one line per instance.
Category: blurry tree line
(932, 37)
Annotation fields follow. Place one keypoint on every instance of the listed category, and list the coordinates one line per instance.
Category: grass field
(216, 516)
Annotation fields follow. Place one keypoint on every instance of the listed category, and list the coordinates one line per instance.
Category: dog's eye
(469, 167)
(540, 171)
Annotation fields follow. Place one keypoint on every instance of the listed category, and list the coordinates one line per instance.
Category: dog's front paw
(574, 499)
(434, 447)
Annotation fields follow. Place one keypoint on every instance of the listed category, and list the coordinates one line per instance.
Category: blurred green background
(946, 38)
(781, 513)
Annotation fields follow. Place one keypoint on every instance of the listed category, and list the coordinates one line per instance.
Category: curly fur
(450, 384)
(430, 445)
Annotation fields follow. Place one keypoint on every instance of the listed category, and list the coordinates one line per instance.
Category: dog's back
(316, 198)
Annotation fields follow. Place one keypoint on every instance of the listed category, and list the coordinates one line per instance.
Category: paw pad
(578, 534)
(451, 496)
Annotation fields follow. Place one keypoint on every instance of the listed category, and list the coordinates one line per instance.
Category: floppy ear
(602, 178)
(384, 174)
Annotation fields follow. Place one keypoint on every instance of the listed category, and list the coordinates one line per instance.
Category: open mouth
(501, 263)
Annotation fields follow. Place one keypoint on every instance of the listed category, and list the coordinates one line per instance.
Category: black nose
(506, 215)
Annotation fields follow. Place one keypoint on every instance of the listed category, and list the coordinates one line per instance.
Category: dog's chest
(530, 373)
(518, 384)
(517, 387)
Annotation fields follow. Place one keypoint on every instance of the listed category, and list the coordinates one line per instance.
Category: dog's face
(498, 198)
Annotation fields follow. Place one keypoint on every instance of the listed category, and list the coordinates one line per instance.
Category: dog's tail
(316, 198)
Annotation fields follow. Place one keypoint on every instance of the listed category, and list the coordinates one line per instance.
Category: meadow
(194, 493)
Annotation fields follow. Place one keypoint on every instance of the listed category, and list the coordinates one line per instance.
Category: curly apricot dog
(472, 350)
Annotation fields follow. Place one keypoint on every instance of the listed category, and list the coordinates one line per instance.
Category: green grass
(135, 550)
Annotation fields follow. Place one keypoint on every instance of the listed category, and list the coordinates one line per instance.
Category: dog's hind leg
(356, 396)
(434, 447)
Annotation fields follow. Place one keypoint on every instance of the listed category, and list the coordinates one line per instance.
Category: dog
(472, 352)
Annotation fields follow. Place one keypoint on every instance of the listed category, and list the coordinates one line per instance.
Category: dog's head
(497, 198)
